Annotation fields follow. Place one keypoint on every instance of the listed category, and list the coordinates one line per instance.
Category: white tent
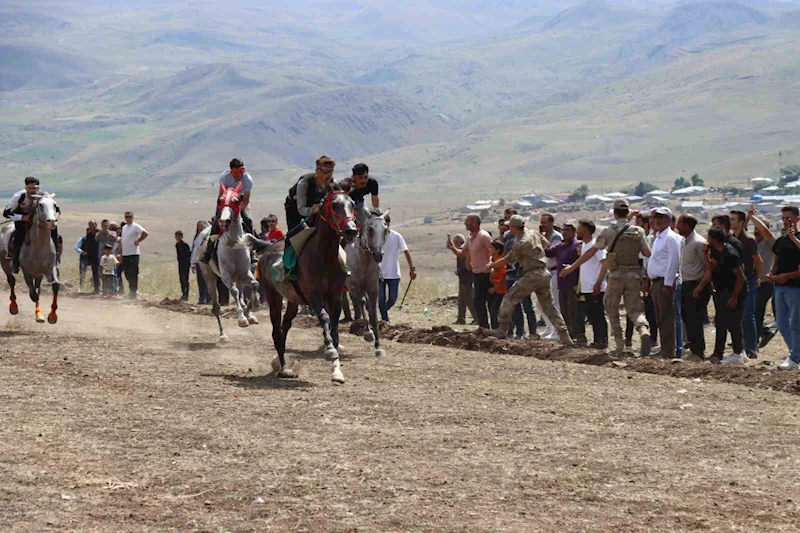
(598, 198)
(761, 180)
(694, 189)
(658, 192)
(615, 195)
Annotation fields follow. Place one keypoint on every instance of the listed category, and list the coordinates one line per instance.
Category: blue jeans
(384, 303)
(678, 320)
(787, 314)
(749, 326)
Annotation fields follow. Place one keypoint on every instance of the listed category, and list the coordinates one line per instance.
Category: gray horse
(37, 257)
(320, 281)
(363, 259)
(233, 262)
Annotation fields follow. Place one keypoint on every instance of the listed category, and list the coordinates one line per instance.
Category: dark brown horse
(320, 280)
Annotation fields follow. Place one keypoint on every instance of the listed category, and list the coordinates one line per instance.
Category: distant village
(702, 201)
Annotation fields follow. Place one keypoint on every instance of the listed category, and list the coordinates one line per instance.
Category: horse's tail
(257, 245)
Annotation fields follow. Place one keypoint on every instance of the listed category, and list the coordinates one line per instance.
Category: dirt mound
(763, 375)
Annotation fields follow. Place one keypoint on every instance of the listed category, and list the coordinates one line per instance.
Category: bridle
(361, 240)
(226, 199)
(329, 215)
(36, 206)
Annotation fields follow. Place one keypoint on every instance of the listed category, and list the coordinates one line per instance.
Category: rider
(305, 196)
(360, 185)
(228, 179)
(19, 210)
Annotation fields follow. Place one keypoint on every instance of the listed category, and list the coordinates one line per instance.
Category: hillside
(28, 67)
(725, 114)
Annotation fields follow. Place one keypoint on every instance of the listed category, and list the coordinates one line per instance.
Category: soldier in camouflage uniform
(528, 251)
(624, 274)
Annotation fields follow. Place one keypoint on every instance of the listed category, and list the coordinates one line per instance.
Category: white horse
(363, 258)
(232, 265)
(37, 257)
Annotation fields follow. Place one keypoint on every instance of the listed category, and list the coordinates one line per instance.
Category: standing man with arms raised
(766, 240)
(547, 224)
(623, 243)
(786, 277)
(477, 253)
(132, 236)
(751, 261)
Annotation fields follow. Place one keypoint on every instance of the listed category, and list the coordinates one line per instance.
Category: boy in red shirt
(499, 287)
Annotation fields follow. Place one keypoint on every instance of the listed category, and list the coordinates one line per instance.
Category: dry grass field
(129, 417)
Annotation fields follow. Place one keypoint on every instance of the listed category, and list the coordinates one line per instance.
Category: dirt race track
(128, 418)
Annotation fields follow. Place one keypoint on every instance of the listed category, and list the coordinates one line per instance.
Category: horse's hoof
(52, 318)
(276, 364)
(40, 317)
(331, 354)
(286, 373)
(337, 376)
(223, 339)
(252, 319)
(13, 309)
(380, 352)
(243, 322)
(369, 336)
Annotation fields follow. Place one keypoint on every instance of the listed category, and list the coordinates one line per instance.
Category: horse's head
(229, 205)
(339, 213)
(45, 210)
(374, 233)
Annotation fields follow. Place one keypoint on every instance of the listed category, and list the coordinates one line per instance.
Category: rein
(329, 216)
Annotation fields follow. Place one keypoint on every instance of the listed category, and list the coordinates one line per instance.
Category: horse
(320, 280)
(37, 257)
(363, 259)
(233, 262)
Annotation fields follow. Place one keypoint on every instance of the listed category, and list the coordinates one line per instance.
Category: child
(498, 289)
(107, 264)
(184, 263)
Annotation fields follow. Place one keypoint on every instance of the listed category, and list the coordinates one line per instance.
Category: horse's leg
(53, 317)
(253, 302)
(12, 307)
(330, 351)
(33, 290)
(358, 303)
(211, 286)
(372, 305)
(237, 299)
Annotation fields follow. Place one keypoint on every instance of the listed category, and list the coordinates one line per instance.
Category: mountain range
(122, 98)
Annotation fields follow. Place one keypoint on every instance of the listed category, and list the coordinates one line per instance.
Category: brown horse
(320, 280)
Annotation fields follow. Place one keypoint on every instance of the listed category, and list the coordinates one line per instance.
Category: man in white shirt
(693, 268)
(390, 269)
(592, 289)
(662, 269)
(132, 236)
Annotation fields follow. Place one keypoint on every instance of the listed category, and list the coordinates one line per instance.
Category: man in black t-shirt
(727, 274)
(751, 261)
(360, 185)
(786, 277)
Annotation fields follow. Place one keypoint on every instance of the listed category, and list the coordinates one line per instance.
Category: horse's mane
(374, 212)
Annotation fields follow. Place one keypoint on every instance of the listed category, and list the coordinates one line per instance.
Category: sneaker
(655, 350)
(460, 323)
(788, 364)
(474, 322)
(692, 358)
(646, 345)
(715, 359)
(767, 336)
(735, 359)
